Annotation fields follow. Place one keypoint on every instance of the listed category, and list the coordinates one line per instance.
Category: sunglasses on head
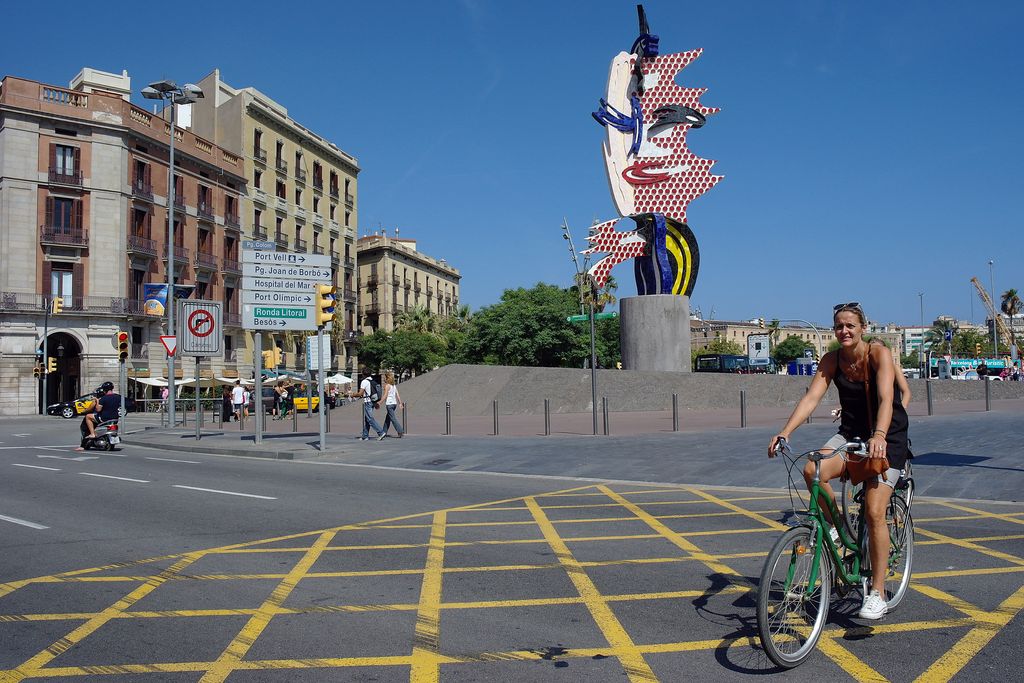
(853, 304)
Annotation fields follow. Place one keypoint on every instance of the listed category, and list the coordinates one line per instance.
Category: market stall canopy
(338, 379)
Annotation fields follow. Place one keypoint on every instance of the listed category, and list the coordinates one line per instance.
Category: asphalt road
(161, 565)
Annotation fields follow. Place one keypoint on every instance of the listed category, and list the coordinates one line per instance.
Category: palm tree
(774, 328)
(1011, 306)
(937, 335)
(417, 319)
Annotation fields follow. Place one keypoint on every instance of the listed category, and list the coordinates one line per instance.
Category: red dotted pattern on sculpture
(673, 195)
(618, 245)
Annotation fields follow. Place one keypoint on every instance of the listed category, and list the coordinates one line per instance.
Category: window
(282, 191)
(280, 151)
(298, 196)
(62, 280)
(318, 175)
(140, 223)
(348, 215)
(333, 207)
(256, 216)
(65, 160)
(62, 214)
(205, 243)
(334, 183)
(141, 176)
(257, 179)
(348, 187)
(202, 289)
(257, 141)
(316, 204)
(280, 225)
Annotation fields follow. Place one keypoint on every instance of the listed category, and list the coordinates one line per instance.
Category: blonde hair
(851, 309)
(389, 377)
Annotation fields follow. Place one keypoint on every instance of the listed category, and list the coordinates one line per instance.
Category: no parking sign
(199, 328)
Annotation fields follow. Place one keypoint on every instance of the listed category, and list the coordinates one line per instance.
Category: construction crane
(1004, 331)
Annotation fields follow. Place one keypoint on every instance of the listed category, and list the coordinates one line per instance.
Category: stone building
(395, 277)
(83, 214)
(302, 194)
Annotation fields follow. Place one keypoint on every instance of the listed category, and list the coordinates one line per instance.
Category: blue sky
(871, 150)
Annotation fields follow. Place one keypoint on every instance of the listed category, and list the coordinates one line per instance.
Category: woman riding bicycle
(875, 414)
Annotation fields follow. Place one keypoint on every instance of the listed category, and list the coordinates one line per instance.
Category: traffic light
(51, 365)
(122, 346)
(268, 359)
(57, 305)
(37, 370)
(977, 349)
(278, 357)
(324, 304)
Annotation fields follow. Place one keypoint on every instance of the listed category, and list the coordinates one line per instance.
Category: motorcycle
(107, 435)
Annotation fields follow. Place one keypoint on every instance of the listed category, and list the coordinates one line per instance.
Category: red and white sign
(170, 343)
(200, 322)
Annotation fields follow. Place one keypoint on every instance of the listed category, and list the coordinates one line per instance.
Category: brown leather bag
(864, 467)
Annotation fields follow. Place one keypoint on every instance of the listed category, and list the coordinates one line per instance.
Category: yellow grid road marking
(632, 661)
(427, 638)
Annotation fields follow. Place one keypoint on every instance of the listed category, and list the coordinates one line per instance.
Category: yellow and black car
(70, 409)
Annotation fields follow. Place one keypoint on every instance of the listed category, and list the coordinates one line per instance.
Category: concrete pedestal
(655, 332)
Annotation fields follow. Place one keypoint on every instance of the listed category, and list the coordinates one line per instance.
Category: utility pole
(581, 278)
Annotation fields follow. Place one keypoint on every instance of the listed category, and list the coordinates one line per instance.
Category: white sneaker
(874, 606)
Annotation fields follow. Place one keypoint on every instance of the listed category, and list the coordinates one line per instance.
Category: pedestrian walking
(369, 391)
(225, 405)
(237, 398)
(392, 400)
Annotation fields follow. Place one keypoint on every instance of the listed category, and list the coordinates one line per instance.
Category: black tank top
(854, 421)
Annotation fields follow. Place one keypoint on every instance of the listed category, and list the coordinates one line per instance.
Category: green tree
(935, 338)
(402, 351)
(791, 348)
(528, 327)
(1011, 306)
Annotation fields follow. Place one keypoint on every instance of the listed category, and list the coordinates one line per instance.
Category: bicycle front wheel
(850, 499)
(901, 550)
(791, 611)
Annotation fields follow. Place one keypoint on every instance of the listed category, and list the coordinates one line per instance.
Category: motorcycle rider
(108, 407)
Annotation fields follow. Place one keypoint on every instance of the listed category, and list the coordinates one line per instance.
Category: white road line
(21, 436)
(190, 462)
(22, 522)
(107, 476)
(37, 467)
(228, 493)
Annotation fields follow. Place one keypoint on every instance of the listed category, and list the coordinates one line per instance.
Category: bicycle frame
(821, 539)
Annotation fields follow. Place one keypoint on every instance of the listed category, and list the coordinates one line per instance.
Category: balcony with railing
(142, 189)
(334, 227)
(335, 258)
(318, 220)
(351, 336)
(259, 232)
(259, 154)
(372, 308)
(430, 290)
(350, 200)
(349, 295)
(318, 249)
(407, 283)
(179, 200)
(281, 165)
(232, 319)
(281, 239)
(259, 196)
(60, 176)
(205, 210)
(64, 237)
(371, 279)
(205, 261)
(447, 297)
(139, 351)
(334, 192)
(350, 262)
(141, 246)
(318, 184)
(300, 244)
(180, 254)
(281, 204)
(300, 175)
(230, 266)
(232, 221)
(416, 287)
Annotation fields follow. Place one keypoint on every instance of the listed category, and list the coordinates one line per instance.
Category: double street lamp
(170, 92)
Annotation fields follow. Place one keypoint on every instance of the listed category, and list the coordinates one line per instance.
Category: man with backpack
(369, 391)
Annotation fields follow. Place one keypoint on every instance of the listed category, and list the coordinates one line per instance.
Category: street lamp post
(581, 277)
(821, 349)
(920, 345)
(995, 311)
(186, 94)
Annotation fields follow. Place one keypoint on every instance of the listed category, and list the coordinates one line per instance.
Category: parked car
(70, 409)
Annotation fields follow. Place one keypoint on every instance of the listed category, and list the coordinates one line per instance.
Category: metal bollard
(447, 418)
(295, 418)
(928, 391)
(604, 413)
(328, 418)
(495, 407)
(675, 412)
(743, 408)
(405, 419)
(547, 417)
(988, 394)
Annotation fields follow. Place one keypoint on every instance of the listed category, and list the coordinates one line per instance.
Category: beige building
(703, 332)
(83, 215)
(395, 277)
(302, 195)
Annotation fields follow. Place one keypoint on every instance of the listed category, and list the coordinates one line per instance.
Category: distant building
(302, 195)
(395, 277)
(703, 332)
(83, 212)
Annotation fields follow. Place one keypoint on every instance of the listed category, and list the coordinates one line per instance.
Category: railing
(66, 97)
(371, 309)
(140, 188)
(232, 319)
(259, 195)
(335, 258)
(179, 201)
(396, 280)
(137, 244)
(318, 220)
(416, 287)
(140, 351)
(259, 154)
(334, 192)
(231, 220)
(300, 174)
(318, 184)
(65, 178)
(55, 234)
(371, 279)
(350, 200)
(300, 244)
(349, 295)
(281, 165)
(206, 260)
(334, 227)
(180, 253)
(318, 249)
(350, 262)
(447, 297)
(430, 290)
(230, 266)
(205, 210)
(407, 283)
(351, 335)
(281, 239)
(98, 305)
(259, 232)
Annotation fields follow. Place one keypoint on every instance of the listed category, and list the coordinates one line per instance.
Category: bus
(721, 362)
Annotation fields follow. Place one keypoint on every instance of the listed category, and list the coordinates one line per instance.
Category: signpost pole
(257, 339)
(46, 357)
(320, 386)
(122, 379)
(199, 419)
(593, 365)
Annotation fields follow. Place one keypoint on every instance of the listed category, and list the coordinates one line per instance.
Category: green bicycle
(805, 564)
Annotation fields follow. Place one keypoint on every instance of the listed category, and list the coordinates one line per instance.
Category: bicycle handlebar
(854, 447)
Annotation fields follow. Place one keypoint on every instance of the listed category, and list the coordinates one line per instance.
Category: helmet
(107, 386)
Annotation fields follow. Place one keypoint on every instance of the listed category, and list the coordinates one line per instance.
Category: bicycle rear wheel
(901, 550)
(791, 612)
(850, 498)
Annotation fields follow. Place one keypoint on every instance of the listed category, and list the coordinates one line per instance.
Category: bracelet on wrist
(878, 431)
